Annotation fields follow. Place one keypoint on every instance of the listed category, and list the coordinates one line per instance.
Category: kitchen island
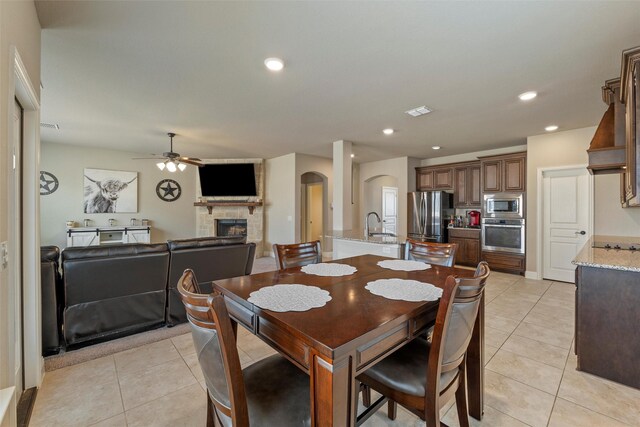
(607, 329)
(348, 243)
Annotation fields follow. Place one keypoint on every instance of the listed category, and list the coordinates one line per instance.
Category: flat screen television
(228, 179)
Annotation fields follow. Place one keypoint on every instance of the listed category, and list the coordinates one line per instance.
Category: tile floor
(530, 374)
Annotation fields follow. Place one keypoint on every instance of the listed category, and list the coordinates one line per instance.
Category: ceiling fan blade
(146, 158)
(190, 161)
(195, 159)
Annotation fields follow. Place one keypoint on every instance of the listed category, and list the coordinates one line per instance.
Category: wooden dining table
(353, 331)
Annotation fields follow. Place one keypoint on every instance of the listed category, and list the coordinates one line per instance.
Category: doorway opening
(381, 196)
(313, 199)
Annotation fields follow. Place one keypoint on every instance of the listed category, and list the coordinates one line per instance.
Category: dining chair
(271, 392)
(423, 376)
(297, 254)
(431, 253)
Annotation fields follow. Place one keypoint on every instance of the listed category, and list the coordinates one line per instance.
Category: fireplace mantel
(211, 205)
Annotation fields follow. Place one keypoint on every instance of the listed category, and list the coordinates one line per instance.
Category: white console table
(96, 236)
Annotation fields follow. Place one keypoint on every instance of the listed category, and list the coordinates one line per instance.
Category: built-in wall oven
(503, 224)
(505, 235)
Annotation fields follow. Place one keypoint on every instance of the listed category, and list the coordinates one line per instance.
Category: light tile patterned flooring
(530, 374)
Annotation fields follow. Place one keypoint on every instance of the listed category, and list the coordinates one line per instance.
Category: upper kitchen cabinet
(504, 174)
(630, 96)
(434, 178)
(466, 186)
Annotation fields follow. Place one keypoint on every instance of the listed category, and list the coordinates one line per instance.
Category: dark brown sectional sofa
(111, 291)
(52, 297)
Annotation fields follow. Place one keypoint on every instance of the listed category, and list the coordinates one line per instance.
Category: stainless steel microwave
(503, 205)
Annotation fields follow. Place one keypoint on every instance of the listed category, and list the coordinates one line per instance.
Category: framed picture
(107, 191)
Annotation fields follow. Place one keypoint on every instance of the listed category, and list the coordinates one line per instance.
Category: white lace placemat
(403, 265)
(329, 269)
(405, 290)
(289, 297)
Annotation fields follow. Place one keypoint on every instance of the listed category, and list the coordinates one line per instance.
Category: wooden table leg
(475, 366)
(331, 392)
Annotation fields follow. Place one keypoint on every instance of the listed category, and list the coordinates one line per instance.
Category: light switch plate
(4, 255)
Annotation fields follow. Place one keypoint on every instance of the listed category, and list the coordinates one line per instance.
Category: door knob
(581, 232)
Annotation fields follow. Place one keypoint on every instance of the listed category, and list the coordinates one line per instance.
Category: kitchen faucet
(366, 222)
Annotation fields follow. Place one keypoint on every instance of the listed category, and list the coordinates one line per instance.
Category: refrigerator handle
(422, 214)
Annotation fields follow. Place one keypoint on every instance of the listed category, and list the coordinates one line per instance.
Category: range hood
(607, 152)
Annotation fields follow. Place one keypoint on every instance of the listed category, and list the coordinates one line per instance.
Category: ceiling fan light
(171, 167)
(160, 165)
(182, 166)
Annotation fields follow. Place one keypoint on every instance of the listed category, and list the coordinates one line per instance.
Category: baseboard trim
(532, 275)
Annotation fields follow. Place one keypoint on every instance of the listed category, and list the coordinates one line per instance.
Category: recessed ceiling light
(551, 128)
(418, 111)
(436, 147)
(352, 156)
(527, 96)
(388, 131)
(274, 64)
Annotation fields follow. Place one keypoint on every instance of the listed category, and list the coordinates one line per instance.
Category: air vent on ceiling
(50, 126)
(418, 111)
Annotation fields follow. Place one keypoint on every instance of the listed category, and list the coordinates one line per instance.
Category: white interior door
(567, 220)
(389, 209)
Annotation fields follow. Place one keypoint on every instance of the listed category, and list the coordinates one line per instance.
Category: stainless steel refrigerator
(429, 212)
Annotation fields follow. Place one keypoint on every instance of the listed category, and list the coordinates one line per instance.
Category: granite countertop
(615, 259)
(358, 236)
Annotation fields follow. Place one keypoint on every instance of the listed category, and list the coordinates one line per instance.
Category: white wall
(610, 218)
(280, 200)
(398, 168)
(169, 220)
(550, 150)
(19, 28)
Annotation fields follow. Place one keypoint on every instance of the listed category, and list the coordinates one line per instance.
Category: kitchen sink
(381, 235)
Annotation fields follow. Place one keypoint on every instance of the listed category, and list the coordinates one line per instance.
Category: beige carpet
(73, 357)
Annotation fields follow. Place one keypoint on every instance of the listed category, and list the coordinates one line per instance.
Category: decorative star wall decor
(168, 190)
(48, 183)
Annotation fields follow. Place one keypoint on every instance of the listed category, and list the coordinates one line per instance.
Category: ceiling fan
(173, 160)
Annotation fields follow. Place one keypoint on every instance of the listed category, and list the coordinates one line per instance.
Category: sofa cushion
(112, 251)
(203, 242)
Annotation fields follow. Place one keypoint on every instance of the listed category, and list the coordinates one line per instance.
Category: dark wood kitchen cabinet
(630, 97)
(466, 187)
(504, 173)
(607, 311)
(468, 241)
(434, 178)
(505, 262)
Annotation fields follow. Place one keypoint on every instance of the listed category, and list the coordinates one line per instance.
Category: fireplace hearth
(231, 227)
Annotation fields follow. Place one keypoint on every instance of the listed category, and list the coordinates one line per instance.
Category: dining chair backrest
(297, 255)
(455, 321)
(215, 344)
(431, 253)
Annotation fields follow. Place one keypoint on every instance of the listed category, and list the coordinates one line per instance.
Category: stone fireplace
(231, 227)
(208, 224)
